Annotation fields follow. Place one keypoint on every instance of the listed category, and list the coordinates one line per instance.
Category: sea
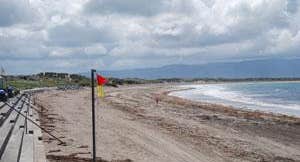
(275, 97)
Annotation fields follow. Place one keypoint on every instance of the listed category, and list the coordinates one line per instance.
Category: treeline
(52, 79)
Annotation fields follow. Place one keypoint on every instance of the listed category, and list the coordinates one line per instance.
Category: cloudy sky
(76, 35)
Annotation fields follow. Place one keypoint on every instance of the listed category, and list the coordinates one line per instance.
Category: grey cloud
(15, 12)
(249, 24)
(130, 7)
(80, 53)
(58, 65)
(189, 36)
(264, 16)
(75, 34)
(16, 47)
(292, 6)
(209, 3)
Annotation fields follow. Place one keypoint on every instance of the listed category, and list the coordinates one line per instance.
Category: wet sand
(131, 126)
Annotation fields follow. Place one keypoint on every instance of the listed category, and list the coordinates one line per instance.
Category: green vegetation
(47, 80)
(24, 84)
(65, 80)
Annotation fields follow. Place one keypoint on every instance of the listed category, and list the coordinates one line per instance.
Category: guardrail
(19, 139)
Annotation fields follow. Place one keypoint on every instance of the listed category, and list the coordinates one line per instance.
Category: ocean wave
(221, 93)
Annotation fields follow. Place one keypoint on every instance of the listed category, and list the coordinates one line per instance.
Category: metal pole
(93, 114)
(27, 112)
(43, 129)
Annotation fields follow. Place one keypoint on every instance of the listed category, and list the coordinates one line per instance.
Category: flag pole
(93, 113)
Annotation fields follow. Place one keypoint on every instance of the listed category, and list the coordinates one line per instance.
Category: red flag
(101, 80)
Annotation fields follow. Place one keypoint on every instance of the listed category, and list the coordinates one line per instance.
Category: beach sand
(131, 126)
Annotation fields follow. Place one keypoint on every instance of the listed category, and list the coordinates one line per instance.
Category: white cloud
(140, 33)
(284, 41)
(61, 52)
(95, 50)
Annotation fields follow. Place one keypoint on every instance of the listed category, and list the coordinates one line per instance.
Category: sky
(76, 35)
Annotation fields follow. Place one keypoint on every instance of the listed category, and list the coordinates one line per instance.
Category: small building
(63, 75)
(50, 74)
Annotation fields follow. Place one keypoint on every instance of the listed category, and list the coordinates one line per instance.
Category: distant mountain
(244, 69)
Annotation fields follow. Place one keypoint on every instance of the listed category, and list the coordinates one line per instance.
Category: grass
(28, 84)
(23, 84)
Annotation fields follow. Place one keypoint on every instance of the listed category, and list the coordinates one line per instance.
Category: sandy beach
(131, 126)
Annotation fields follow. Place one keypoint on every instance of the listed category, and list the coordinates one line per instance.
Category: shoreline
(246, 108)
(233, 82)
(131, 126)
(230, 82)
(229, 108)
